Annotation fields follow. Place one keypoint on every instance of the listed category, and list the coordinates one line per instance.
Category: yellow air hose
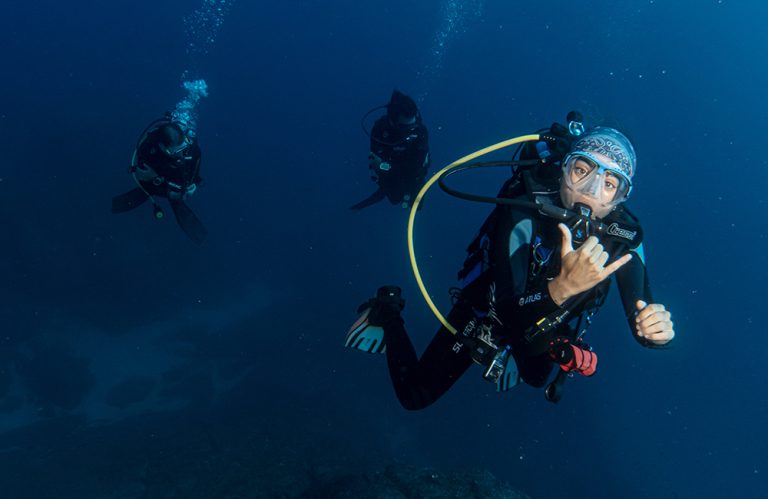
(420, 196)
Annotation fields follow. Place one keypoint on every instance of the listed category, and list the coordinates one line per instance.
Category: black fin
(370, 200)
(129, 200)
(189, 223)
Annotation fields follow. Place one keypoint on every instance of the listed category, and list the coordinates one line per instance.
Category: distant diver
(535, 275)
(166, 164)
(399, 154)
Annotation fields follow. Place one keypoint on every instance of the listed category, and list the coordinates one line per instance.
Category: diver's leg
(535, 371)
(420, 382)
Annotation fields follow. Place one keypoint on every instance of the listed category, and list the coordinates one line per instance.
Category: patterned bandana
(612, 144)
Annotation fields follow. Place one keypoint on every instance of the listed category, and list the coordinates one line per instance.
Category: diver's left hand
(654, 323)
(373, 161)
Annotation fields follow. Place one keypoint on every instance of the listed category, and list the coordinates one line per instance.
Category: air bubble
(455, 17)
(184, 112)
(203, 26)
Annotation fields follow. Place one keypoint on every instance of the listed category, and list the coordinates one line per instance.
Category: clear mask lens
(406, 122)
(601, 182)
(180, 149)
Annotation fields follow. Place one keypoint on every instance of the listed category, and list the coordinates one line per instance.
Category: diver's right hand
(581, 269)
(385, 306)
(145, 173)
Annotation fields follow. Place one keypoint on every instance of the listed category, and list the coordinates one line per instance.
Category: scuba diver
(533, 278)
(166, 163)
(399, 156)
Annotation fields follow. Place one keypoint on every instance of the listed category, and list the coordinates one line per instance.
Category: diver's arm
(580, 272)
(582, 269)
(192, 178)
(147, 153)
(143, 151)
(423, 151)
(415, 158)
(634, 286)
(197, 155)
(191, 185)
(526, 303)
(378, 143)
(529, 308)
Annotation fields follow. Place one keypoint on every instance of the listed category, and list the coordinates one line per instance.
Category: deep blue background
(283, 156)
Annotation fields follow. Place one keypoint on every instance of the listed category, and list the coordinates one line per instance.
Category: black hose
(487, 199)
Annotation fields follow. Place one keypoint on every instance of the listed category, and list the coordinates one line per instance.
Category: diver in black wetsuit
(399, 156)
(527, 295)
(166, 163)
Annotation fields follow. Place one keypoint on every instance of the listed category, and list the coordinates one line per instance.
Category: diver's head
(402, 111)
(598, 171)
(173, 141)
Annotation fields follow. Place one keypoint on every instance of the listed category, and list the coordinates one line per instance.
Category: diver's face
(586, 185)
(177, 150)
(404, 122)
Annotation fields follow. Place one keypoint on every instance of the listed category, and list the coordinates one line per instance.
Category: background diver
(166, 163)
(530, 284)
(399, 154)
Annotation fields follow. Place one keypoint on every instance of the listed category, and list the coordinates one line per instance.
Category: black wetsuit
(161, 175)
(526, 249)
(406, 150)
(174, 174)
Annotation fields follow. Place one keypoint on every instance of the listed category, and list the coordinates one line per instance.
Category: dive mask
(406, 123)
(588, 174)
(178, 150)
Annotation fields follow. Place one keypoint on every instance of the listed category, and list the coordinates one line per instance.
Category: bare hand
(654, 323)
(581, 269)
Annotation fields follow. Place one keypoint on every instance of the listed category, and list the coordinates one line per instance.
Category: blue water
(258, 314)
